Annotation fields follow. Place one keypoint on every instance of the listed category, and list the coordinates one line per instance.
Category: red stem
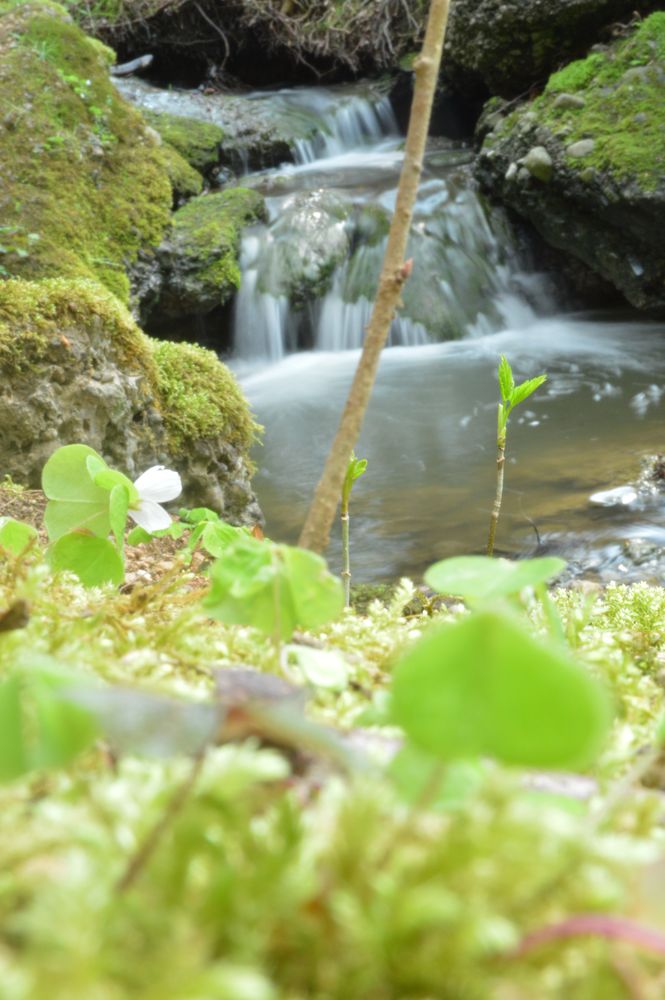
(598, 924)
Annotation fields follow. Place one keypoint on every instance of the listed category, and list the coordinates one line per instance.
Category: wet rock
(255, 134)
(567, 101)
(309, 240)
(605, 200)
(198, 262)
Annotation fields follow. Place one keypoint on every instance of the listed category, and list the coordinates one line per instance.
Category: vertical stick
(346, 554)
(316, 530)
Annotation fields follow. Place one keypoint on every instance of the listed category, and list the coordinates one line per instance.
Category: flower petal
(150, 516)
(159, 484)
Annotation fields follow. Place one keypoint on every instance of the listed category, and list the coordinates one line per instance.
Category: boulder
(198, 262)
(85, 186)
(601, 199)
(75, 368)
(505, 47)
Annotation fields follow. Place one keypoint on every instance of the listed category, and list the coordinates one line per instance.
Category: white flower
(155, 486)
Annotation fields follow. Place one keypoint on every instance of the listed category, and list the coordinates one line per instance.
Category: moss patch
(35, 315)
(185, 180)
(200, 397)
(80, 171)
(623, 113)
(197, 142)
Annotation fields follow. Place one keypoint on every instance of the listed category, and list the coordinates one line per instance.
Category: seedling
(355, 469)
(511, 396)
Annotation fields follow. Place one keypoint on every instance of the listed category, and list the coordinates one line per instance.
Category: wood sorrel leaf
(95, 561)
(15, 535)
(275, 588)
(75, 501)
(485, 687)
(479, 578)
(118, 508)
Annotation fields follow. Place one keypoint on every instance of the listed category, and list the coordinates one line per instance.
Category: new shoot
(354, 470)
(511, 396)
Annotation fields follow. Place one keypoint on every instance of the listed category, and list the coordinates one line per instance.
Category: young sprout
(354, 470)
(511, 396)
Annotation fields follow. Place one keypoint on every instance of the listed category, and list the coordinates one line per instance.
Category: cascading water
(309, 276)
(311, 272)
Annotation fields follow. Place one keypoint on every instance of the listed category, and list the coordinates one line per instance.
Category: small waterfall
(310, 273)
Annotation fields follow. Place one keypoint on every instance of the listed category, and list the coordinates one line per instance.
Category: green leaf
(524, 390)
(118, 507)
(275, 588)
(485, 687)
(412, 771)
(75, 501)
(479, 578)
(216, 537)
(107, 478)
(323, 668)
(197, 514)
(506, 381)
(95, 561)
(13, 758)
(15, 535)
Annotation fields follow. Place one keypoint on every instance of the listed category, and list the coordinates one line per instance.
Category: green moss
(36, 315)
(623, 111)
(185, 180)
(79, 168)
(206, 231)
(200, 397)
(197, 142)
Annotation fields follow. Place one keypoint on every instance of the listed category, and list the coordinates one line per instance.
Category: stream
(429, 437)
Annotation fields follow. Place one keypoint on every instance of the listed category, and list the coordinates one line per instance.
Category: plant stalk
(346, 554)
(496, 507)
(321, 514)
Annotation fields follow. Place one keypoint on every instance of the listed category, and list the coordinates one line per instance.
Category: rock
(75, 368)
(582, 148)
(198, 143)
(199, 259)
(605, 200)
(255, 135)
(566, 101)
(539, 163)
(504, 47)
(85, 185)
(620, 496)
(308, 241)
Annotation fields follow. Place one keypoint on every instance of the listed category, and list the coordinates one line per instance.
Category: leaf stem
(496, 507)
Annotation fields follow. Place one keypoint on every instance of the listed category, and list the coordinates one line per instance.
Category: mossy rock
(200, 257)
(197, 142)
(84, 181)
(185, 180)
(601, 122)
(76, 368)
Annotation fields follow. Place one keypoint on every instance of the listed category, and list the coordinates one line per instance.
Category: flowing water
(430, 432)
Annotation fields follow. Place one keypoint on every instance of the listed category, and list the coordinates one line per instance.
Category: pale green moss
(197, 142)
(78, 167)
(623, 110)
(185, 180)
(200, 397)
(34, 315)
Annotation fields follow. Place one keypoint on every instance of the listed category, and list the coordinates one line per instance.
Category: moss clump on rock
(200, 397)
(185, 180)
(200, 257)
(197, 142)
(622, 112)
(35, 317)
(81, 173)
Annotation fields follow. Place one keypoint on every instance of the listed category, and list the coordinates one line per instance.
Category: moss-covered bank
(84, 182)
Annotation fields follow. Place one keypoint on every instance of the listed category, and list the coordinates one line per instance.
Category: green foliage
(355, 469)
(484, 687)
(479, 579)
(512, 395)
(15, 536)
(94, 560)
(78, 484)
(39, 727)
(274, 588)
